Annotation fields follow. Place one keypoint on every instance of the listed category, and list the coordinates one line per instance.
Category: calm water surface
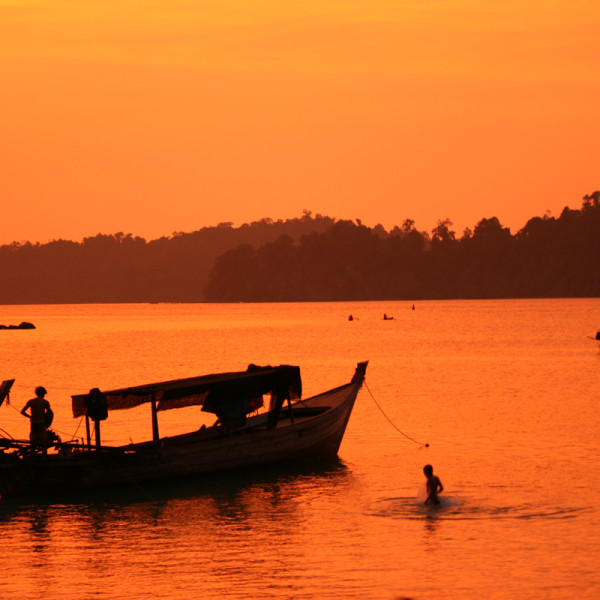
(504, 392)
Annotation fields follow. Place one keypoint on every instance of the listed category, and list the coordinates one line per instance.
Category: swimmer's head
(428, 470)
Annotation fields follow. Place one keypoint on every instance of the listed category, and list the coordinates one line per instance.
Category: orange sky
(150, 117)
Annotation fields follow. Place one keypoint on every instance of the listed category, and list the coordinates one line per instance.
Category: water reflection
(227, 496)
(431, 526)
(205, 531)
(39, 530)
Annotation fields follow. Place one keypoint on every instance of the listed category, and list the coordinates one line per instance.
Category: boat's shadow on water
(227, 484)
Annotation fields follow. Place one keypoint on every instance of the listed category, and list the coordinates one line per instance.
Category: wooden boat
(290, 429)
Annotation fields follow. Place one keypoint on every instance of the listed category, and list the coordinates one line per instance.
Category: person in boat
(434, 486)
(40, 416)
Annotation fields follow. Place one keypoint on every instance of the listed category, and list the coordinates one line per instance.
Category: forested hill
(549, 257)
(124, 268)
(315, 258)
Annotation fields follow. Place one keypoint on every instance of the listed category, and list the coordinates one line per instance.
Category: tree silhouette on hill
(548, 258)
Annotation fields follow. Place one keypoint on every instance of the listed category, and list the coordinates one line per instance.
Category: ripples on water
(453, 508)
(505, 392)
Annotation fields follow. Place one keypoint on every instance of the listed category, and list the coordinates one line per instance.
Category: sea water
(505, 394)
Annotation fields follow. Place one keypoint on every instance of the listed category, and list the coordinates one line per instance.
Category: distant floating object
(350, 318)
(23, 325)
(413, 307)
(386, 318)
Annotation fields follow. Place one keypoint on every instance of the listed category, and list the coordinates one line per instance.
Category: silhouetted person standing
(434, 485)
(40, 415)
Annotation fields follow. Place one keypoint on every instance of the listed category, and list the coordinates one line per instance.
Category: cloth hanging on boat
(232, 411)
(97, 405)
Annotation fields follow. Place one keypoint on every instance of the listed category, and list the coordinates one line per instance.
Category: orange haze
(155, 117)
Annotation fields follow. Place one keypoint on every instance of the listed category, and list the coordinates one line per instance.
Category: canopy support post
(97, 433)
(155, 435)
(87, 431)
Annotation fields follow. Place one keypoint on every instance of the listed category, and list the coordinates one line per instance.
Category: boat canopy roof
(208, 390)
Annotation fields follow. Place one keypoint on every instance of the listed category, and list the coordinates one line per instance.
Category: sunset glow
(155, 117)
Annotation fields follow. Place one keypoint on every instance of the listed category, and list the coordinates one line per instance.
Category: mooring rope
(5, 434)
(78, 426)
(423, 445)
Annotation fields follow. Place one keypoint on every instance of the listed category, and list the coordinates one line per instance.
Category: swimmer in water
(434, 486)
